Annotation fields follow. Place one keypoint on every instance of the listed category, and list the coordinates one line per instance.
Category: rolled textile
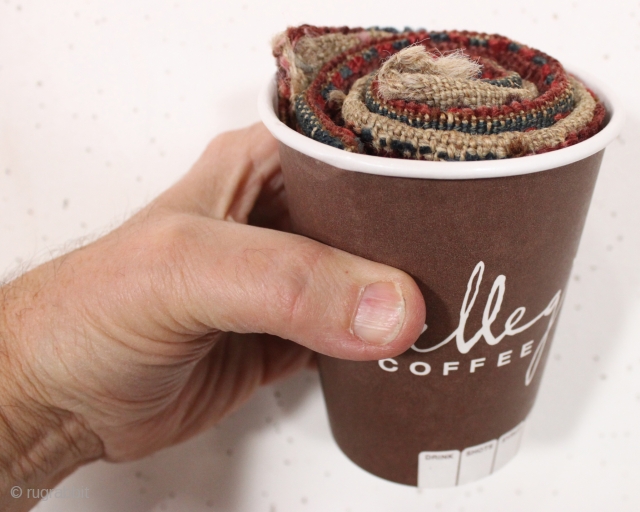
(453, 95)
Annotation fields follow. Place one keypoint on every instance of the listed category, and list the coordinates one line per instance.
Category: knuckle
(169, 244)
(222, 142)
(302, 279)
(169, 238)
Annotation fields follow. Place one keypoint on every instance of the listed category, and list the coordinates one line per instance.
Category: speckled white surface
(105, 103)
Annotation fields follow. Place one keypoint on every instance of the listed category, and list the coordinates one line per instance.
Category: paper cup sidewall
(492, 257)
(514, 238)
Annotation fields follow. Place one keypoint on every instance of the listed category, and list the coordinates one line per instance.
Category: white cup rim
(399, 167)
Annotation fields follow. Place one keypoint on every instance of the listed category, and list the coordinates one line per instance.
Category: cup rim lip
(398, 167)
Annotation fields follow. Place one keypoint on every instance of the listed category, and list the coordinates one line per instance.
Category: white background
(103, 104)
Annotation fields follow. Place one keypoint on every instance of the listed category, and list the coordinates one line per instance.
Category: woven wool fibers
(453, 95)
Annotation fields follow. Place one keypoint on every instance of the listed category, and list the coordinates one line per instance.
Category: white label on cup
(438, 469)
(476, 462)
(508, 445)
(451, 468)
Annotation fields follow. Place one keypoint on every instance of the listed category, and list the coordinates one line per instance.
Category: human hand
(159, 329)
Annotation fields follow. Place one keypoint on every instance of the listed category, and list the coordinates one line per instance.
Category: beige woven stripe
(314, 52)
(530, 86)
(443, 81)
(445, 92)
(311, 53)
(455, 144)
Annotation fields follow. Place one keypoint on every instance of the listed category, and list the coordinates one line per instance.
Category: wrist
(38, 448)
(39, 444)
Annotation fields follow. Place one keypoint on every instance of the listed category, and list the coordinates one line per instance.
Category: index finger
(226, 180)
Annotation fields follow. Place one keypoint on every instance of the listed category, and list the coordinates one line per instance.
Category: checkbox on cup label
(438, 469)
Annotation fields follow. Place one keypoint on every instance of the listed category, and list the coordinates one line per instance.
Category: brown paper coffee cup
(491, 245)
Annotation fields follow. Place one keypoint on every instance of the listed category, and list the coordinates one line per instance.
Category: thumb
(248, 279)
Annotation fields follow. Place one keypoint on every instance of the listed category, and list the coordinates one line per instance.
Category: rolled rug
(453, 95)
